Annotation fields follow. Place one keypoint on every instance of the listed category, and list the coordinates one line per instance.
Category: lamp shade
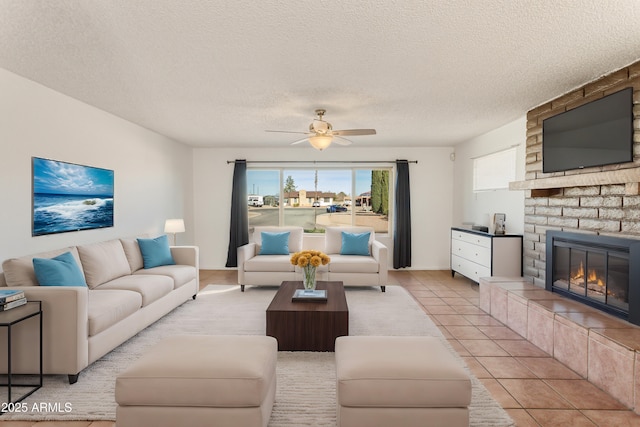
(174, 226)
(320, 142)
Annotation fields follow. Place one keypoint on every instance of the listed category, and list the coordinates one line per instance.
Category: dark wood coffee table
(308, 325)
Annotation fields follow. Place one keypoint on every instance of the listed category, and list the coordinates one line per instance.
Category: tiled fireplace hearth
(599, 347)
(600, 271)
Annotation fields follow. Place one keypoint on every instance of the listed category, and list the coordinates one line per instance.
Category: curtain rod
(321, 161)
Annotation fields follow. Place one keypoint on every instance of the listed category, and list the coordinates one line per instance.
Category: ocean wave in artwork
(59, 213)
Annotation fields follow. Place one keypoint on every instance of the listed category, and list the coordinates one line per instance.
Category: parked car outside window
(336, 208)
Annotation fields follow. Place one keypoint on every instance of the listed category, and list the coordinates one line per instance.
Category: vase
(309, 278)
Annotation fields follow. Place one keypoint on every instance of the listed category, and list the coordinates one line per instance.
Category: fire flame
(592, 276)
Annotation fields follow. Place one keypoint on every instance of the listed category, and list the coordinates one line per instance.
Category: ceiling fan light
(320, 142)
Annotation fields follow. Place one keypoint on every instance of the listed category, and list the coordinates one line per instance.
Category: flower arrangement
(309, 261)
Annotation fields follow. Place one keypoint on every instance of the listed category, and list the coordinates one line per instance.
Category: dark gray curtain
(402, 226)
(239, 230)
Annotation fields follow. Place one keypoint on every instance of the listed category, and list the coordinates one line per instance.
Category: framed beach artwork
(70, 197)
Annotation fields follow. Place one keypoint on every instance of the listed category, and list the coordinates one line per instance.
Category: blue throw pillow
(275, 243)
(62, 270)
(355, 243)
(155, 252)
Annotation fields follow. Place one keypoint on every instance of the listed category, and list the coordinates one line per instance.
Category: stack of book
(10, 299)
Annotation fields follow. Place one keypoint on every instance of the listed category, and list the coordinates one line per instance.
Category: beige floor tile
(456, 301)
(522, 348)
(522, 418)
(500, 394)
(613, 418)
(429, 301)
(450, 320)
(505, 367)
(483, 348)
(459, 348)
(422, 293)
(561, 418)
(584, 395)
(466, 332)
(548, 368)
(499, 333)
(533, 393)
(467, 309)
(440, 309)
(476, 367)
(445, 293)
(481, 320)
(446, 333)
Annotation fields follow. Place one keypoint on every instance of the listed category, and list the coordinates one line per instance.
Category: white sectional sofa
(83, 323)
(352, 270)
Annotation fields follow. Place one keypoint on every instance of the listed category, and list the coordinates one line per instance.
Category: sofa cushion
(150, 287)
(355, 244)
(156, 252)
(333, 238)
(274, 243)
(133, 254)
(295, 236)
(181, 274)
(61, 270)
(353, 264)
(108, 307)
(19, 271)
(103, 261)
(277, 263)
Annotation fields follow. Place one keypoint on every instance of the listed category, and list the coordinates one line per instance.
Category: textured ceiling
(219, 73)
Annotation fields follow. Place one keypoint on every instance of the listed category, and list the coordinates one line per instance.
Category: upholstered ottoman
(400, 382)
(200, 380)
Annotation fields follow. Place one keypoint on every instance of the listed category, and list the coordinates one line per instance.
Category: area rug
(305, 380)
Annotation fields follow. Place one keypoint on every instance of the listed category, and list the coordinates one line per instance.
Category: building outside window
(319, 198)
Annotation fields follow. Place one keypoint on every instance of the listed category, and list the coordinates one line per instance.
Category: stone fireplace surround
(600, 201)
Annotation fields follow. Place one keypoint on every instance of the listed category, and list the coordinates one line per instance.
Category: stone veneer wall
(598, 209)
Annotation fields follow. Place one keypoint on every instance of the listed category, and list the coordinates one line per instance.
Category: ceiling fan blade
(287, 131)
(299, 141)
(354, 132)
(341, 141)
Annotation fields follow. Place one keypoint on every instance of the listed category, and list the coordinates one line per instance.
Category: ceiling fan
(321, 133)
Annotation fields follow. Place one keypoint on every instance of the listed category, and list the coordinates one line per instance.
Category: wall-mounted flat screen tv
(70, 197)
(595, 134)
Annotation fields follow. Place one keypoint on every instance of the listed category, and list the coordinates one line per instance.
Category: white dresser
(476, 254)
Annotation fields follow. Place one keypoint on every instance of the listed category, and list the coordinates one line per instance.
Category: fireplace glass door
(600, 271)
(597, 275)
(618, 282)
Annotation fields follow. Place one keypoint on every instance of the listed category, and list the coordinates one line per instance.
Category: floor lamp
(173, 226)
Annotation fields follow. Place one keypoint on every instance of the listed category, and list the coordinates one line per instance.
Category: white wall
(157, 178)
(470, 207)
(431, 196)
(153, 179)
